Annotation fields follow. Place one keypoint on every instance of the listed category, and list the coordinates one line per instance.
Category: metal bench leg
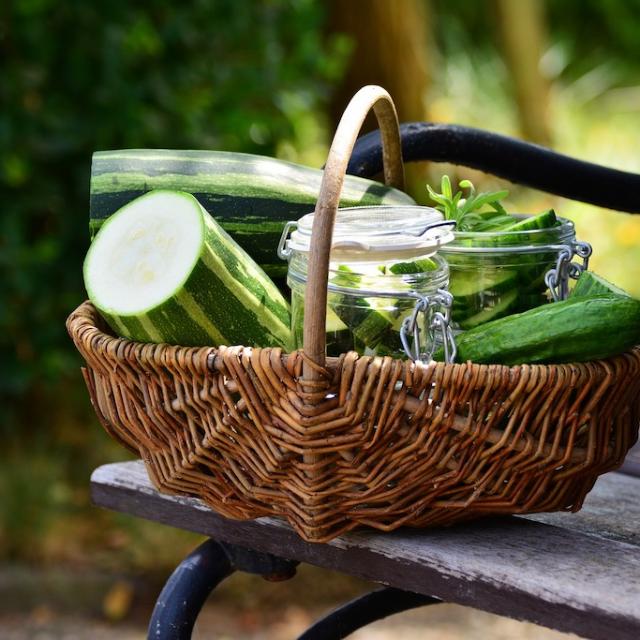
(189, 586)
(363, 611)
(197, 575)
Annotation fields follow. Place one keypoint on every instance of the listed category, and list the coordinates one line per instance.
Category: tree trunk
(523, 34)
(391, 47)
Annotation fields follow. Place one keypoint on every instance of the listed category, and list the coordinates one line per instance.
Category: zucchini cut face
(162, 270)
(144, 253)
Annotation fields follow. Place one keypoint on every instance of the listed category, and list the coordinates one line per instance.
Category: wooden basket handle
(315, 301)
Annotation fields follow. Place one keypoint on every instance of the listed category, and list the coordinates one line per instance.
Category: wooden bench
(578, 573)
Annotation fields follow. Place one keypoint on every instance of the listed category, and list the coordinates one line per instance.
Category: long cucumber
(590, 283)
(574, 330)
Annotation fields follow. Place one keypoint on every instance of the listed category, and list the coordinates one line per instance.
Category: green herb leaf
(467, 211)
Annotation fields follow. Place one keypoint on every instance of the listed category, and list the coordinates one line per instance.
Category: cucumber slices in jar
(367, 318)
(544, 220)
(368, 299)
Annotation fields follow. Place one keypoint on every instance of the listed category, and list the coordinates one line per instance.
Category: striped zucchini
(252, 197)
(162, 270)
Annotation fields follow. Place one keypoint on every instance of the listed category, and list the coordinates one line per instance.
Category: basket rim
(86, 318)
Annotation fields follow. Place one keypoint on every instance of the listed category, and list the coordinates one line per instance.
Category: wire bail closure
(436, 313)
(283, 249)
(557, 279)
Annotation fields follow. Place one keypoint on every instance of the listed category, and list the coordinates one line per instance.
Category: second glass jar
(494, 274)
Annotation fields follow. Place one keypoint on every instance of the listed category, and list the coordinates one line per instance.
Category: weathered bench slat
(632, 461)
(611, 511)
(572, 572)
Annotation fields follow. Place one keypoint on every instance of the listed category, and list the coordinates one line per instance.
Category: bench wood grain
(632, 462)
(572, 572)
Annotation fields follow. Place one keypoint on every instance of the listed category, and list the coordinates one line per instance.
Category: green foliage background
(80, 76)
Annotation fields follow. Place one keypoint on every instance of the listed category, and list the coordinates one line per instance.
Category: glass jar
(494, 274)
(387, 285)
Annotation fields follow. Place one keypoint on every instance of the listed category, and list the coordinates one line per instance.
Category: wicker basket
(335, 443)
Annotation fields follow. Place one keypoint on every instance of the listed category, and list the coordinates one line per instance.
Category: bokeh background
(268, 77)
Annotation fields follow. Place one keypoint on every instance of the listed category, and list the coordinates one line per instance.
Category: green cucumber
(516, 233)
(468, 283)
(374, 321)
(378, 320)
(495, 280)
(162, 270)
(333, 322)
(339, 336)
(573, 330)
(492, 221)
(590, 283)
(367, 322)
(499, 235)
(250, 196)
(339, 342)
(543, 220)
(422, 265)
(504, 304)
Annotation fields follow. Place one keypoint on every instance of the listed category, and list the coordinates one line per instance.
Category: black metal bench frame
(190, 585)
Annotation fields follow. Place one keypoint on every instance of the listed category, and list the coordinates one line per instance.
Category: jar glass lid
(379, 232)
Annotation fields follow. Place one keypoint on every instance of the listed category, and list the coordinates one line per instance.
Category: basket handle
(315, 302)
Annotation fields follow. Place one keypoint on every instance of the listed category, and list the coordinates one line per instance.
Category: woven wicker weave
(332, 444)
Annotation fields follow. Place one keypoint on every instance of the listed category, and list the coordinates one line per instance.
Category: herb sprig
(466, 211)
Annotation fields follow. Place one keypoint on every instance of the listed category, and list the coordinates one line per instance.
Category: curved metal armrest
(508, 158)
